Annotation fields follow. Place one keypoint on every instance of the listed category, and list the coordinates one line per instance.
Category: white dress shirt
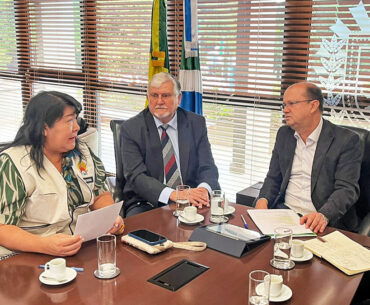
(298, 192)
(173, 134)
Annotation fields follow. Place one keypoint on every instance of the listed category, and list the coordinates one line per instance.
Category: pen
(321, 239)
(245, 223)
(75, 268)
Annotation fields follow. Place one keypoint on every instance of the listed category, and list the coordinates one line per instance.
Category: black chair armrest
(114, 189)
(248, 195)
(365, 226)
(111, 180)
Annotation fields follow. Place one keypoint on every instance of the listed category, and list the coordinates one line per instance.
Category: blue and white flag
(190, 77)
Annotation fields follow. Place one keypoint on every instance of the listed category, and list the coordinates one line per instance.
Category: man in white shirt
(315, 165)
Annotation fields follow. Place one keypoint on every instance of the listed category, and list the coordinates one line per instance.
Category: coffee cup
(297, 248)
(56, 268)
(276, 285)
(190, 213)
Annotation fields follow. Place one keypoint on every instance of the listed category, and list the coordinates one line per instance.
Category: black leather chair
(363, 204)
(117, 183)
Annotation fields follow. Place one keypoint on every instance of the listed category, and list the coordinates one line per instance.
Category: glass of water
(218, 207)
(282, 245)
(259, 287)
(107, 268)
(182, 199)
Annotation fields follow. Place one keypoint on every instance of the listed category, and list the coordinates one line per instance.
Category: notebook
(341, 251)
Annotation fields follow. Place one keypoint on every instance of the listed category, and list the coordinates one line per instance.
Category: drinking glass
(218, 206)
(107, 268)
(182, 199)
(259, 287)
(282, 245)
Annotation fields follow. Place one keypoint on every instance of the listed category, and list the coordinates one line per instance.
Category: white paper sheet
(98, 222)
(268, 220)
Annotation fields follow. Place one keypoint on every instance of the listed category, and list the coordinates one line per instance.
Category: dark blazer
(143, 162)
(334, 178)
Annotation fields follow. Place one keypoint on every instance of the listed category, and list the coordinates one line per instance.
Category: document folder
(229, 239)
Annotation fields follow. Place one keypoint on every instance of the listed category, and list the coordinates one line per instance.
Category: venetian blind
(241, 46)
(246, 64)
(10, 83)
(96, 51)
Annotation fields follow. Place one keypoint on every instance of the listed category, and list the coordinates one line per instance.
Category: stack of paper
(342, 252)
(268, 220)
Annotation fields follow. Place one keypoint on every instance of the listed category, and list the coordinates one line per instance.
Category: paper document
(268, 220)
(342, 252)
(98, 222)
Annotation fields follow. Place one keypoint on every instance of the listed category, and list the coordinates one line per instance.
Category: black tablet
(235, 232)
(178, 275)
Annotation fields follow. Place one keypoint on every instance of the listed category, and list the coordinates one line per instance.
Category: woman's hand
(61, 244)
(118, 226)
(102, 201)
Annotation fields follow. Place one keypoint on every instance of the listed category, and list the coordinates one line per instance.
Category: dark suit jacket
(143, 162)
(335, 173)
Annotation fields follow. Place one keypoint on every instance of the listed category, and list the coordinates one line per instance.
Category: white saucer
(286, 293)
(197, 219)
(70, 275)
(228, 211)
(307, 255)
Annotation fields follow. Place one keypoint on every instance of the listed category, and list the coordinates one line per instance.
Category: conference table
(225, 282)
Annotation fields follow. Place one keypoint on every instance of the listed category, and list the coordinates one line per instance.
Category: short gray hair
(162, 77)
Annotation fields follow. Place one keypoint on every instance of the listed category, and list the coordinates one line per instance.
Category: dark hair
(43, 109)
(313, 92)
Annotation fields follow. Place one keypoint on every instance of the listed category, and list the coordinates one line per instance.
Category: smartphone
(148, 237)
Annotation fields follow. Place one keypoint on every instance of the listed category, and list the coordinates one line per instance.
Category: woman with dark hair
(47, 179)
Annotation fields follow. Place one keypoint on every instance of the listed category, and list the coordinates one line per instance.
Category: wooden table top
(226, 282)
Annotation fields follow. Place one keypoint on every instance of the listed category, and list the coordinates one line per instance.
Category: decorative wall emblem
(344, 74)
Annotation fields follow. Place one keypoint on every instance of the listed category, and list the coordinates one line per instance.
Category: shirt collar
(314, 136)
(172, 123)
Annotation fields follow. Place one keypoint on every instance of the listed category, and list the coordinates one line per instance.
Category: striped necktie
(169, 161)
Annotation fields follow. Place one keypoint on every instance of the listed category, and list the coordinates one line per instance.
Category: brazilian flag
(158, 57)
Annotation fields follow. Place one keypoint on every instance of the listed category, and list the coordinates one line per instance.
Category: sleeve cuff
(326, 218)
(164, 196)
(206, 186)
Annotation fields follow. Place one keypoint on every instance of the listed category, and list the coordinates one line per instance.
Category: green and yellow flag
(158, 57)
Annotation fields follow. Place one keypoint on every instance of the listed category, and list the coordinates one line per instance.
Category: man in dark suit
(315, 165)
(148, 185)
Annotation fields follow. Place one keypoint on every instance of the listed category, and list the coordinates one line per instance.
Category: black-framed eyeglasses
(291, 104)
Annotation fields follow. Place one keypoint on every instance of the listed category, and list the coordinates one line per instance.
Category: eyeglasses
(164, 96)
(291, 104)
